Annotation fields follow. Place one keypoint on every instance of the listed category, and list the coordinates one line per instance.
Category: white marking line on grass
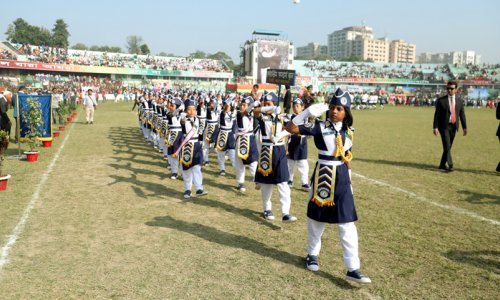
(423, 199)
(26, 213)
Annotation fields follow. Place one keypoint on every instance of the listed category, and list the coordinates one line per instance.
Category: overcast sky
(182, 27)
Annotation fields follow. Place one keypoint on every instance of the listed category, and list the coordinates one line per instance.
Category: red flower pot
(31, 156)
(56, 133)
(3, 182)
(61, 128)
(47, 144)
(68, 119)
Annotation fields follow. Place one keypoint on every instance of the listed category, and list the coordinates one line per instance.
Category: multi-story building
(453, 57)
(339, 42)
(311, 50)
(376, 50)
(402, 52)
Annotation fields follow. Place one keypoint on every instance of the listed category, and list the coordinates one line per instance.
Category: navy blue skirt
(343, 211)
(280, 168)
(197, 156)
(297, 148)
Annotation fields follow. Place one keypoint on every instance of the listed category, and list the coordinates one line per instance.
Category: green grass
(110, 224)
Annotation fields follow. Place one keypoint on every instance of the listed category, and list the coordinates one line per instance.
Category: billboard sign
(271, 55)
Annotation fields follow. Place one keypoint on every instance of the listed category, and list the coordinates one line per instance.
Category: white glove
(317, 110)
(314, 110)
(279, 136)
(266, 109)
(277, 110)
(252, 106)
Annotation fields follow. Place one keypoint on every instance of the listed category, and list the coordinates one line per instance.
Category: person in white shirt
(57, 98)
(89, 104)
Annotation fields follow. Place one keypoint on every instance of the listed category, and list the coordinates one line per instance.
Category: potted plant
(32, 116)
(4, 143)
(62, 112)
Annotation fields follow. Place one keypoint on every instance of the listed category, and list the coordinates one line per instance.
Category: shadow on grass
(419, 166)
(479, 198)
(488, 260)
(244, 212)
(152, 189)
(128, 167)
(241, 242)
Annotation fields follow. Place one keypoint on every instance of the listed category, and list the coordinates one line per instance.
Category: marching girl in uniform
(174, 136)
(212, 121)
(143, 117)
(246, 146)
(201, 112)
(224, 136)
(331, 199)
(189, 152)
(297, 151)
(151, 116)
(272, 167)
(157, 121)
(164, 127)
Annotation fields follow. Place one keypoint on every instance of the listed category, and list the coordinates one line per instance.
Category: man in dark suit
(447, 117)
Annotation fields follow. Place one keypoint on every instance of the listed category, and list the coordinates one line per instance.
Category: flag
(45, 105)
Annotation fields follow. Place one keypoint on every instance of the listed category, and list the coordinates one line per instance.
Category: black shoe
(241, 187)
(357, 276)
(268, 215)
(200, 193)
(290, 183)
(187, 194)
(206, 163)
(306, 187)
(222, 173)
(450, 169)
(173, 176)
(312, 263)
(289, 218)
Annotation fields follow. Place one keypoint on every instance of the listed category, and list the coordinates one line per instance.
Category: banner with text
(13, 64)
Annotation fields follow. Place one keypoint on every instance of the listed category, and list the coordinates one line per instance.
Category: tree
(224, 57)
(41, 36)
(22, 32)
(94, 48)
(133, 44)
(198, 54)
(114, 49)
(79, 46)
(19, 32)
(353, 57)
(60, 34)
(323, 57)
(145, 49)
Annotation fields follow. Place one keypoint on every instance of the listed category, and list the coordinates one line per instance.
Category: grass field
(110, 224)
